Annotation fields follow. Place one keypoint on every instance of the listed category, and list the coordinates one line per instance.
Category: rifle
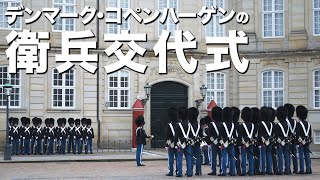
(288, 151)
(230, 153)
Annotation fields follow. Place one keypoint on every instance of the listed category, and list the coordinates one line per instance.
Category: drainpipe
(98, 84)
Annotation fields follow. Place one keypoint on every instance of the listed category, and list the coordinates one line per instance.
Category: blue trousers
(304, 158)
(78, 145)
(214, 153)
(197, 154)
(283, 154)
(188, 153)
(15, 146)
(179, 161)
(225, 159)
(293, 149)
(206, 156)
(27, 146)
(266, 159)
(71, 145)
(33, 140)
(89, 146)
(247, 154)
(171, 153)
(139, 154)
(237, 155)
(38, 147)
(50, 146)
(63, 146)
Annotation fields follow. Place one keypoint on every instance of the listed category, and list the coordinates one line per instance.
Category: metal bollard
(114, 146)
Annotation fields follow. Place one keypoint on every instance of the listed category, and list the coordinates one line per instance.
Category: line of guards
(266, 145)
(38, 140)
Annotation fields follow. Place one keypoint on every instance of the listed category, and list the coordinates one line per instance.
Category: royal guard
(57, 140)
(78, 136)
(237, 146)
(227, 141)
(214, 134)
(34, 124)
(63, 136)
(71, 142)
(282, 135)
(89, 136)
(45, 137)
(196, 136)
(170, 135)
(204, 122)
(21, 131)
(140, 139)
(304, 138)
(265, 139)
(256, 150)
(292, 123)
(14, 136)
(11, 119)
(51, 136)
(26, 136)
(83, 130)
(246, 131)
(38, 134)
(183, 141)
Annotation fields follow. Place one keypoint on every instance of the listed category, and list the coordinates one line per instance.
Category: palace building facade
(283, 50)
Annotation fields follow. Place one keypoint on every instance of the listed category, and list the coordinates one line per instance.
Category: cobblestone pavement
(115, 170)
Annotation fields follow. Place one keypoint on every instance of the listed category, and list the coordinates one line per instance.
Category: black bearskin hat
(39, 121)
(273, 115)
(183, 113)
(282, 113)
(83, 121)
(63, 121)
(173, 114)
(227, 114)
(77, 121)
(27, 121)
(11, 119)
(216, 113)
(255, 115)
(193, 114)
(207, 120)
(266, 114)
(70, 121)
(290, 108)
(236, 114)
(302, 113)
(16, 121)
(23, 121)
(34, 121)
(51, 121)
(140, 121)
(246, 114)
(47, 121)
(88, 122)
(59, 122)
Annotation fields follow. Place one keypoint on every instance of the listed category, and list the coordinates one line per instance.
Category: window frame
(313, 18)
(64, 4)
(18, 18)
(63, 87)
(14, 86)
(161, 11)
(272, 89)
(214, 20)
(314, 88)
(118, 25)
(216, 90)
(272, 12)
(315, 137)
(118, 89)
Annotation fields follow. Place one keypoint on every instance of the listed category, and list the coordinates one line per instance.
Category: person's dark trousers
(293, 149)
(246, 154)
(225, 156)
(45, 146)
(206, 156)
(89, 146)
(32, 144)
(38, 147)
(256, 152)
(220, 159)
(71, 144)
(15, 146)
(189, 160)
(275, 159)
(283, 154)
(63, 146)
(171, 152)
(21, 148)
(27, 146)
(214, 154)
(139, 154)
(304, 158)
(179, 161)
(197, 155)
(78, 145)
(266, 159)
(237, 155)
(50, 146)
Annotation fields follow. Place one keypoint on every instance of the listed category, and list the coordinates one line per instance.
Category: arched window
(273, 88)
(216, 84)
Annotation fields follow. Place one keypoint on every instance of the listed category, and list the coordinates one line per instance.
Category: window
(169, 25)
(15, 81)
(216, 88)
(272, 88)
(116, 28)
(4, 4)
(316, 17)
(316, 88)
(63, 89)
(213, 28)
(317, 137)
(273, 18)
(66, 6)
(119, 90)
